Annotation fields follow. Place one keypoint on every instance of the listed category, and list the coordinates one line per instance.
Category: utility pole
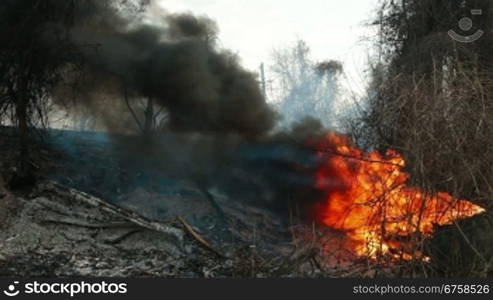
(380, 37)
(262, 80)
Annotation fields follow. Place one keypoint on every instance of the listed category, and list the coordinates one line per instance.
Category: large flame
(366, 197)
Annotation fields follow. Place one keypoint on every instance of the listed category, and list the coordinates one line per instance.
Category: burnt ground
(171, 179)
(48, 231)
(51, 229)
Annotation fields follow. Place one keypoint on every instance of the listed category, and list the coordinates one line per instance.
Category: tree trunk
(23, 176)
(149, 117)
(22, 124)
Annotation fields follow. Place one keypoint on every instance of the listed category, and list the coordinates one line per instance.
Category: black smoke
(176, 63)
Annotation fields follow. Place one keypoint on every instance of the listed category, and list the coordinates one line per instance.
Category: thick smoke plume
(174, 63)
(221, 126)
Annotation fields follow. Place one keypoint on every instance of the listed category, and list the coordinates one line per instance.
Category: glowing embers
(367, 198)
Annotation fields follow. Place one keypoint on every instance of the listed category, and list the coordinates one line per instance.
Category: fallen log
(125, 214)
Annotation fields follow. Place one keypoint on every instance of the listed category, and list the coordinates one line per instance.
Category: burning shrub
(367, 197)
(441, 127)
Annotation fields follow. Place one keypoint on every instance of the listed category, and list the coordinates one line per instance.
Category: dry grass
(442, 125)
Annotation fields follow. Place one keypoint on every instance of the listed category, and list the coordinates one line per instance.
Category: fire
(366, 197)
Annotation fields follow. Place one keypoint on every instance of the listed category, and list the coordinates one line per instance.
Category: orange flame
(366, 197)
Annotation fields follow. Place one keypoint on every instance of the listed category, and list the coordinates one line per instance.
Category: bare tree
(303, 87)
(35, 52)
(30, 65)
(146, 115)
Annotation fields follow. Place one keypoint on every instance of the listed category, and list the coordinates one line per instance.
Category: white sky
(334, 29)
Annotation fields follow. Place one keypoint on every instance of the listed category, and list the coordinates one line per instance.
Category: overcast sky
(334, 29)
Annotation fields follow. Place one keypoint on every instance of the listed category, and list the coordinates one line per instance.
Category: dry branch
(79, 223)
(199, 238)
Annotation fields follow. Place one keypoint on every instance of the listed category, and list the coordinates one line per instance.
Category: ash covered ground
(51, 230)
